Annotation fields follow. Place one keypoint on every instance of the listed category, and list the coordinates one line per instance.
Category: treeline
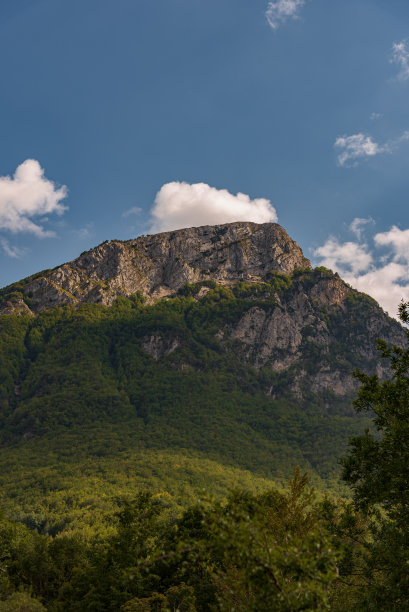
(281, 551)
(275, 551)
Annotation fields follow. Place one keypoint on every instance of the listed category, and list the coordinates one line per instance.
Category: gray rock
(159, 265)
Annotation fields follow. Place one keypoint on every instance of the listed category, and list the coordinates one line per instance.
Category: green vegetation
(253, 553)
(87, 413)
(125, 428)
(377, 469)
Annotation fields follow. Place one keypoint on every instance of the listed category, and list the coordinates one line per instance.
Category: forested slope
(199, 391)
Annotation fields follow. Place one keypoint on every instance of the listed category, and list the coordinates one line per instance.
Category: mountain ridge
(158, 265)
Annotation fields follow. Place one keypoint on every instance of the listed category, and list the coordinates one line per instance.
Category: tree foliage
(377, 469)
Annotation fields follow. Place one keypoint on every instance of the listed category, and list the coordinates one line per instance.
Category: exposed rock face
(331, 326)
(157, 346)
(159, 265)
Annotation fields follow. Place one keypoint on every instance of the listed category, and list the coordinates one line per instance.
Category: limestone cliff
(159, 265)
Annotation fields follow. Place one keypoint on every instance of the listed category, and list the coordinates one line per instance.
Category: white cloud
(400, 56)
(135, 210)
(384, 277)
(10, 250)
(346, 256)
(356, 226)
(180, 205)
(387, 284)
(397, 240)
(375, 116)
(278, 11)
(402, 138)
(360, 146)
(357, 146)
(28, 194)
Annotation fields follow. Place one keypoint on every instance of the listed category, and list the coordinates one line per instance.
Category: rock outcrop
(160, 264)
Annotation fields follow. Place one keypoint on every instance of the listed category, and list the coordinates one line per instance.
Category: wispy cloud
(381, 270)
(180, 205)
(375, 116)
(84, 232)
(10, 250)
(358, 224)
(400, 56)
(356, 147)
(28, 194)
(135, 210)
(279, 11)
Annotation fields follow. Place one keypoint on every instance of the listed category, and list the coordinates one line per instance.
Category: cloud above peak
(179, 205)
(279, 11)
(26, 195)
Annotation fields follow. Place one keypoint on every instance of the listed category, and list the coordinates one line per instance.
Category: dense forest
(139, 483)
(88, 414)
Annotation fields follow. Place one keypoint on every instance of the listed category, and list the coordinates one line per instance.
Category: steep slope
(240, 378)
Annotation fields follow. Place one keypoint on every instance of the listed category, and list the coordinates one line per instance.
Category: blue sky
(301, 105)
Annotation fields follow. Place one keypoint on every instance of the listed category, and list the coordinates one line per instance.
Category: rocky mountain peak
(158, 265)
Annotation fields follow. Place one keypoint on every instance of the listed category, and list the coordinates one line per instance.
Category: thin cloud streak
(135, 210)
(279, 11)
(400, 57)
(358, 147)
(10, 250)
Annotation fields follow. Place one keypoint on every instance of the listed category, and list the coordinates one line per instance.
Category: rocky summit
(158, 265)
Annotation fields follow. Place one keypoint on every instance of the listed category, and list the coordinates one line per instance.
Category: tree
(269, 552)
(377, 468)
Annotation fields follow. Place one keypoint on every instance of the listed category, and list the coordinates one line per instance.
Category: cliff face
(159, 265)
(312, 327)
(319, 329)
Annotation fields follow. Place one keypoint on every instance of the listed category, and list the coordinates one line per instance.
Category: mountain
(159, 265)
(204, 357)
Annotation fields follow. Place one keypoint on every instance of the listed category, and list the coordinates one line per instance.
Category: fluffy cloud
(355, 147)
(349, 255)
(28, 194)
(397, 240)
(400, 56)
(180, 205)
(383, 276)
(278, 11)
(388, 284)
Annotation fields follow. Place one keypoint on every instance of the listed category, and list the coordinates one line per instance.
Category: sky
(126, 117)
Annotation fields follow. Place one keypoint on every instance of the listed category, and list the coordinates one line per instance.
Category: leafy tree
(267, 552)
(21, 602)
(377, 468)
